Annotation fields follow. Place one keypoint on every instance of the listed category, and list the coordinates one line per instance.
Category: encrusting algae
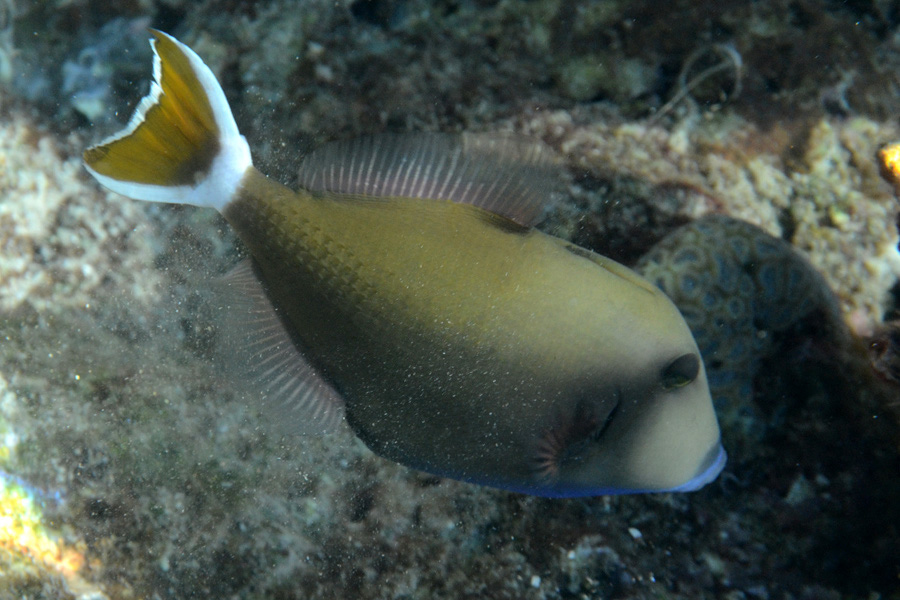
(404, 287)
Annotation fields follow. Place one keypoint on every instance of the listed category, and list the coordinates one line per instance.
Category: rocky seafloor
(133, 466)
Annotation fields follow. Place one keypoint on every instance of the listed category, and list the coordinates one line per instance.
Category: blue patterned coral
(738, 288)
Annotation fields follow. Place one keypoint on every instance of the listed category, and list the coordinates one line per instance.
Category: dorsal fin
(509, 175)
(292, 393)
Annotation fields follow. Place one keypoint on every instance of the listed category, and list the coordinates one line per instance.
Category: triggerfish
(403, 288)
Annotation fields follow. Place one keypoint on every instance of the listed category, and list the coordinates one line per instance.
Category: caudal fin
(181, 145)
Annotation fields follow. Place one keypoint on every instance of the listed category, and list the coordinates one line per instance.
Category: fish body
(454, 337)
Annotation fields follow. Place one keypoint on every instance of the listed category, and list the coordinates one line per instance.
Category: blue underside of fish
(705, 476)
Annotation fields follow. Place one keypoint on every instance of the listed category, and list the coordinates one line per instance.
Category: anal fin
(293, 395)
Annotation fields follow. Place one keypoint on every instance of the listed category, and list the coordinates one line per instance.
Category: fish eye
(681, 371)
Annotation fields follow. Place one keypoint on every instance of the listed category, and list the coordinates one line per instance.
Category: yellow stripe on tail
(181, 145)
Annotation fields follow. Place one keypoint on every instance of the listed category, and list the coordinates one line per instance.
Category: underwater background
(726, 150)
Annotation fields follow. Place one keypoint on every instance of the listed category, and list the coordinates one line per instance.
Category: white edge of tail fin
(218, 188)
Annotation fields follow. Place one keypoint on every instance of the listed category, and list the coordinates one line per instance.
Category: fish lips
(712, 465)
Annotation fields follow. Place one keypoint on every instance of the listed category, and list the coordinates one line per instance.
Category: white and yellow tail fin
(182, 145)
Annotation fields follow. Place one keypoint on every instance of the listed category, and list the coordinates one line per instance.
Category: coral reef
(60, 239)
(823, 193)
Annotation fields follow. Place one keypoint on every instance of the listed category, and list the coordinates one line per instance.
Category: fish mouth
(713, 463)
